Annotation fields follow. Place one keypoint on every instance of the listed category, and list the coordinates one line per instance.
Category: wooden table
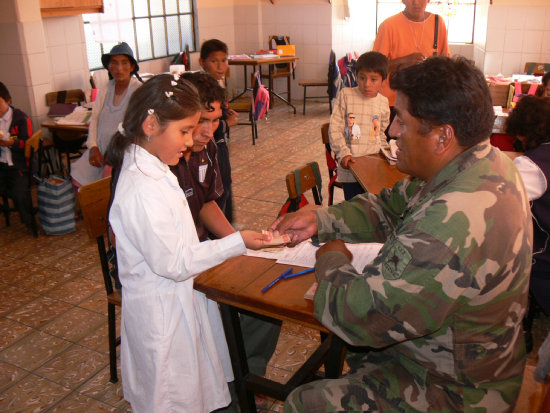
(236, 284)
(374, 173)
(66, 138)
(258, 62)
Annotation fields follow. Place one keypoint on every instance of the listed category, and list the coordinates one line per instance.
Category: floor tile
(33, 350)
(11, 331)
(9, 375)
(73, 366)
(78, 403)
(44, 279)
(38, 312)
(14, 297)
(32, 394)
(75, 324)
(75, 290)
(100, 388)
(75, 262)
(96, 302)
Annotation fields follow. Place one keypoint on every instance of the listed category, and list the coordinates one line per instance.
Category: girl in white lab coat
(171, 359)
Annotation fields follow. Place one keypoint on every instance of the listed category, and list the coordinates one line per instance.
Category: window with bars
(459, 16)
(152, 28)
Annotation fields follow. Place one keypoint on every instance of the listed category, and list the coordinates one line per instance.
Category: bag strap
(436, 33)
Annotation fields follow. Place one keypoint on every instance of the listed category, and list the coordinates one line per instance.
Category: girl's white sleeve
(533, 178)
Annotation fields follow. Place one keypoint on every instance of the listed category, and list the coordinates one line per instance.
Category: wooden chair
(65, 96)
(33, 146)
(94, 204)
(331, 164)
(281, 70)
(245, 105)
(305, 83)
(309, 179)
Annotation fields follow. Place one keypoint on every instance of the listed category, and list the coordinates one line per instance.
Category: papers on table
(80, 116)
(239, 57)
(303, 254)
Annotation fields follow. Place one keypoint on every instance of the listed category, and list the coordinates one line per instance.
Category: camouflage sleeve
(423, 273)
(368, 217)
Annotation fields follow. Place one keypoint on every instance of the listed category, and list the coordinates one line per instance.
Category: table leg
(233, 334)
(272, 93)
(246, 89)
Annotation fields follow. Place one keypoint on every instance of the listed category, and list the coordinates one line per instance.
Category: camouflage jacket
(446, 295)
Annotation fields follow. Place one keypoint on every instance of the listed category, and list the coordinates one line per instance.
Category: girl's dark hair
(530, 119)
(169, 99)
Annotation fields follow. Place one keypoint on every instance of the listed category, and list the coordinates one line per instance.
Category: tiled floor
(53, 326)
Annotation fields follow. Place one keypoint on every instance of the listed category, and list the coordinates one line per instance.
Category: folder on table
(286, 50)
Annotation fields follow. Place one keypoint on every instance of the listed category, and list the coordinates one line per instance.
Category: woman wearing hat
(108, 112)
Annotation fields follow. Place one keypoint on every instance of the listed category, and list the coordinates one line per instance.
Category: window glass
(141, 8)
(144, 48)
(159, 36)
(172, 28)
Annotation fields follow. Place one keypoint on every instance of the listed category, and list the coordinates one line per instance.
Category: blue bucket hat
(121, 48)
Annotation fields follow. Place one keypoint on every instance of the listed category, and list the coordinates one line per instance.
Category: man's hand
(336, 245)
(254, 240)
(232, 118)
(96, 159)
(299, 225)
(346, 160)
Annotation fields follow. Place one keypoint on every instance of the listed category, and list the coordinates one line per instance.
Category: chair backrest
(309, 178)
(32, 145)
(65, 96)
(273, 42)
(535, 68)
(94, 203)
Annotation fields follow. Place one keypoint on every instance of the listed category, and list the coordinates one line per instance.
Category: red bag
(293, 205)
(261, 99)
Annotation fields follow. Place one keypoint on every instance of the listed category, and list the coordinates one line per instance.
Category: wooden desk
(374, 173)
(66, 138)
(258, 62)
(236, 284)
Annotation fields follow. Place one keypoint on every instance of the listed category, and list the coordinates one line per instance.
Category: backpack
(260, 105)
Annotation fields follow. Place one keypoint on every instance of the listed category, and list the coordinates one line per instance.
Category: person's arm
(533, 178)
(337, 127)
(20, 131)
(148, 223)
(214, 220)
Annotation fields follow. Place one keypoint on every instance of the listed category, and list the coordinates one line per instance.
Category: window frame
(194, 30)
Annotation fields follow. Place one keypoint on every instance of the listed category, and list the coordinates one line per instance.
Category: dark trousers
(15, 184)
(225, 202)
(351, 189)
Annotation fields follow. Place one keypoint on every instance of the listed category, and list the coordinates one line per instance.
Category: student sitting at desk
(199, 177)
(107, 113)
(170, 359)
(360, 117)
(529, 123)
(443, 301)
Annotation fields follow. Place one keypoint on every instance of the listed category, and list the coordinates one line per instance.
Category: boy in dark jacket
(15, 129)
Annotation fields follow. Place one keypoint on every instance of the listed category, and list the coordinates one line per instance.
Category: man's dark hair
(209, 89)
(530, 119)
(5, 93)
(211, 46)
(443, 90)
(372, 62)
(545, 79)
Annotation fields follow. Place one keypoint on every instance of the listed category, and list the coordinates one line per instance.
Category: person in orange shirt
(408, 38)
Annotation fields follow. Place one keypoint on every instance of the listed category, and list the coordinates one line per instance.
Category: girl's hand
(254, 240)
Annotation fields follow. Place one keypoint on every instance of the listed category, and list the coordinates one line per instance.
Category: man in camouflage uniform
(443, 301)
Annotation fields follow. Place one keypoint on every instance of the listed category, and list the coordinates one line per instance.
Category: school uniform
(170, 359)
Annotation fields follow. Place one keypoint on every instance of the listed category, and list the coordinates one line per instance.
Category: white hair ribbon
(168, 93)
(150, 111)
(120, 129)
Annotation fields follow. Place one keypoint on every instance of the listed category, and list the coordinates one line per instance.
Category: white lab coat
(170, 360)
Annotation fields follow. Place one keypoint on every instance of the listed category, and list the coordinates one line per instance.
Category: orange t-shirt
(398, 36)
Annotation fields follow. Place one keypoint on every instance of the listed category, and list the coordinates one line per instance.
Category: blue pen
(276, 280)
(299, 273)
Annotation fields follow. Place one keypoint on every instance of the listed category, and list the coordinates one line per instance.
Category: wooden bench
(314, 83)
